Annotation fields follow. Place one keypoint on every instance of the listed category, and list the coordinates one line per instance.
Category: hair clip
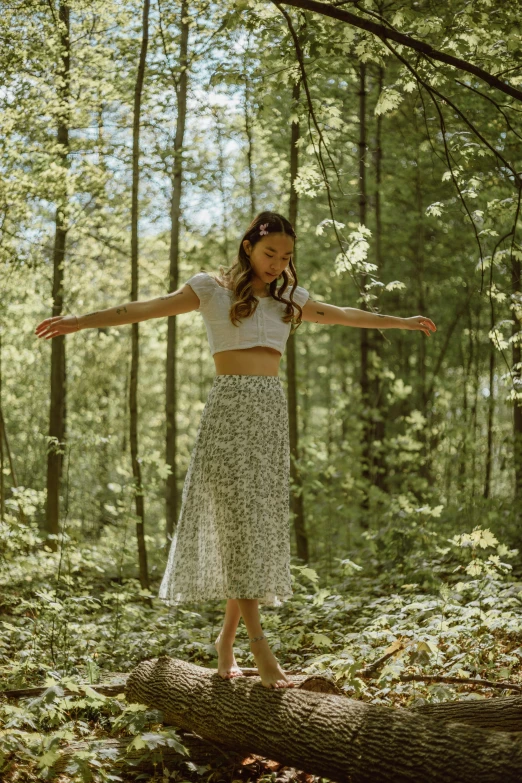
(262, 229)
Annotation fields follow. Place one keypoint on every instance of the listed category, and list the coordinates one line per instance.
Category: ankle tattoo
(258, 638)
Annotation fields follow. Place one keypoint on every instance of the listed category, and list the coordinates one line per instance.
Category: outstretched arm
(181, 301)
(322, 313)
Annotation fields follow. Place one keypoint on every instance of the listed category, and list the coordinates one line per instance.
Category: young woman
(232, 540)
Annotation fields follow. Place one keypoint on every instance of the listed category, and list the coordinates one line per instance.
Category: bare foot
(227, 666)
(272, 676)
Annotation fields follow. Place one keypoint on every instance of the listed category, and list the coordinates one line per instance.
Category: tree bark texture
(296, 496)
(135, 350)
(324, 734)
(249, 129)
(2, 490)
(491, 407)
(202, 752)
(364, 337)
(496, 714)
(4, 439)
(57, 409)
(171, 406)
(516, 293)
(379, 469)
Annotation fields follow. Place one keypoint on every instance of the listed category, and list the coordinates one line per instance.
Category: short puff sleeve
(203, 286)
(301, 295)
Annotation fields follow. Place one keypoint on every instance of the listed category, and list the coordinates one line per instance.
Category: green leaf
(388, 101)
(320, 640)
(137, 743)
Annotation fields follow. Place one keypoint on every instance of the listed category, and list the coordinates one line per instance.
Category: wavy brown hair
(238, 277)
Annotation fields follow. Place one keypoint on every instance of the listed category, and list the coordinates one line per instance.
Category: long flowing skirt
(232, 539)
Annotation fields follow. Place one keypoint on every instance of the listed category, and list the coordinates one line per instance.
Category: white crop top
(263, 327)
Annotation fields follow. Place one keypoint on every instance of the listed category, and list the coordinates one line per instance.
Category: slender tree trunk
(3, 434)
(419, 269)
(344, 412)
(249, 134)
(305, 396)
(3, 438)
(126, 415)
(175, 222)
(491, 409)
(57, 413)
(463, 460)
(364, 335)
(133, 388)
(474, 411)
(221, 180)
(2, 483)
(296, 496)
(103, 459)
(425, 468)
(330, 420)
(379, 428)
(103, 451)
(463, 450)
(517, 380)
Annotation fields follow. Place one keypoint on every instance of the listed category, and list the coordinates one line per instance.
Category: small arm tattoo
(318, 312)
(94, 313)
(121, 309)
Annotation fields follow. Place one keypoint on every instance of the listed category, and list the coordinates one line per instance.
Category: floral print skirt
(232, 539)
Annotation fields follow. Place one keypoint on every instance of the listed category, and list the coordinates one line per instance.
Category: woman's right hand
(58, 324)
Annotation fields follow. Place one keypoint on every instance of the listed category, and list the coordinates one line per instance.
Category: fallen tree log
(501, 714)
(496, 714)
(321, 733)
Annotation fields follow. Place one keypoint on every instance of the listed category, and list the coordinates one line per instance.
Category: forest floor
(446, 611)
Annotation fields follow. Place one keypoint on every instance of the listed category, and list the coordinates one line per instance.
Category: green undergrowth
(439, 605)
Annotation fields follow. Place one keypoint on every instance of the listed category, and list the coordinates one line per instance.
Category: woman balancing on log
(232, 540)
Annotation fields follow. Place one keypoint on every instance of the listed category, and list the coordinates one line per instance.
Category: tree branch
(505, 684)
(406, 40)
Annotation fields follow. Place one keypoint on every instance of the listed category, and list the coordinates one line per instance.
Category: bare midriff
(259, 360)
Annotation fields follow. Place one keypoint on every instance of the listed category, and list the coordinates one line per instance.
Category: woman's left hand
(419, 322)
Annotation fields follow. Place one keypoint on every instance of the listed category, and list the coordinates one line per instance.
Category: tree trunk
(496, 714)
(104, 449)
(474, 410)
(4, 439)
(222, 186)
(517, 377)
(133, 387)
(423, 393)
(296, 495)
(463, 451)
(172, 499)
(3, 434)
(249, 132)
(364, 336)
(377, 341)
(2, 485)
(202, 752)
(491, 409)
(323, 734)
(57, 412)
